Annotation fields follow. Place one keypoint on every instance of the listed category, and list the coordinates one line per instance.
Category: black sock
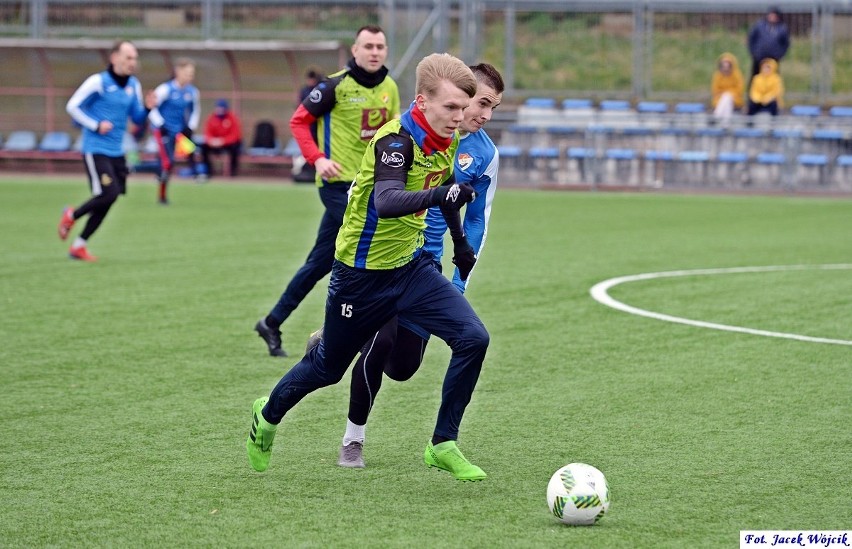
(438, 439)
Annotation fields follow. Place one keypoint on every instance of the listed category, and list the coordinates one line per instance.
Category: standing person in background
(312, 78)
(349, 107)
(727, 88)
(177, 114)
(397, 349)
(102, 105)
(381, 270)
(222, 133)
(766, 92)
(307, 173)
(768, 38)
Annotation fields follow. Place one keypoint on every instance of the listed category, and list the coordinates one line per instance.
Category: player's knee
(477, 337)
(402, 369)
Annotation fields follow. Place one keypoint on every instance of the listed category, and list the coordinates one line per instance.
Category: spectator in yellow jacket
(766, 92)
(727, 87)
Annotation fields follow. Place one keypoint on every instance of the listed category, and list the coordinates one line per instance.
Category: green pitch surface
(127, 384)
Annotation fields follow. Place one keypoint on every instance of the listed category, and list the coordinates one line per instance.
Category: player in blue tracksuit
(102, 105)
(397, 349)
(178, 112)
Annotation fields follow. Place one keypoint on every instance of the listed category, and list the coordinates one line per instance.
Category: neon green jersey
(368, 242)
(348, 115)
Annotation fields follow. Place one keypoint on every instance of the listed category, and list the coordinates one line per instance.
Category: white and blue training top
(177, 108)
(476, 164)
(100, 98)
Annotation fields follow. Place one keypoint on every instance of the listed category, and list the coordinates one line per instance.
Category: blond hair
(434, 68)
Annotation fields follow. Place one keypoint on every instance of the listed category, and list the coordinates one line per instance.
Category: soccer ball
(578, 494)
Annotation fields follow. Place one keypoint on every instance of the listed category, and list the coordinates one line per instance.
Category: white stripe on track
(600, 293)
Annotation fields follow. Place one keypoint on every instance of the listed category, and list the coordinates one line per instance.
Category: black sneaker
(271, 337)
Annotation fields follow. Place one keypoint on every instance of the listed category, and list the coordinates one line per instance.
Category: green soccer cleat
(259, 441)
(448, 457)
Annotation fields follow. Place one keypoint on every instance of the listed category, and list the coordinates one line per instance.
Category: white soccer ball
(578, 494)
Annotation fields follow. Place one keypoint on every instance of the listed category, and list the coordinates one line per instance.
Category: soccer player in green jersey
(348, 108)
(381, 270)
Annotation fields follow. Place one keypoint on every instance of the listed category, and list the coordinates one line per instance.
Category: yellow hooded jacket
(767, 87)
(732, 83)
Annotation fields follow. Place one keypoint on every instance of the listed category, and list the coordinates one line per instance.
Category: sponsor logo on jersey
(394, 159)
(315, 96)
(371, 121)
(465, 160)
(434, 179)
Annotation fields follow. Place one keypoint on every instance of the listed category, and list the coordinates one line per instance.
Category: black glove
(453, 197)
(187, 133)
(463, 257)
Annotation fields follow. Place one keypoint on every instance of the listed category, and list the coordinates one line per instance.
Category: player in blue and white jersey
(177, 113)
(102, 105)
(397, 349)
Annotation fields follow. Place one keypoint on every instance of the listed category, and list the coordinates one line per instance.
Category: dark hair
(488, 75)
(373, 29)
(314, 74)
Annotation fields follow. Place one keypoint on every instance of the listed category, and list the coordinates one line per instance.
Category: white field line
(600, 293)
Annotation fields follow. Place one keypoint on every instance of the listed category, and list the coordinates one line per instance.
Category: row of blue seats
(514, 153)
(24, 140)
(59, 141)
(660, 107)
(709, 131)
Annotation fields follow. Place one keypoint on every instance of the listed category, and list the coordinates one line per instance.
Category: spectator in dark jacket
(768, 38)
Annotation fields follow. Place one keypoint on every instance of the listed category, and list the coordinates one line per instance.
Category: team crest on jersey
(464, 160)
(394, 159)
(315, 96)
(385, 97)
(128, 90)
(106, 180)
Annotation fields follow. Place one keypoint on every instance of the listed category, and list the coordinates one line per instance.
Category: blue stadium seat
(771, 158)
(540, 102)
(787, 133)
(545, 163)
(574, 104)
(614, 105)
(622, 166)
(581, 165)
(511, 162)
(843, 171)
(811, 168)
(732, 157)
(731, 168)
(691, 167)
(652, 107)
(806, 110)
(840, 112)
(291, 149)
(21, 140)
(55, 142)
(659, 167)
(544, 152)
(827, 134)
(522, 135)
(690, 108)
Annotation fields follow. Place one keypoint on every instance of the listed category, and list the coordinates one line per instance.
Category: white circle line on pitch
(600, 293)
